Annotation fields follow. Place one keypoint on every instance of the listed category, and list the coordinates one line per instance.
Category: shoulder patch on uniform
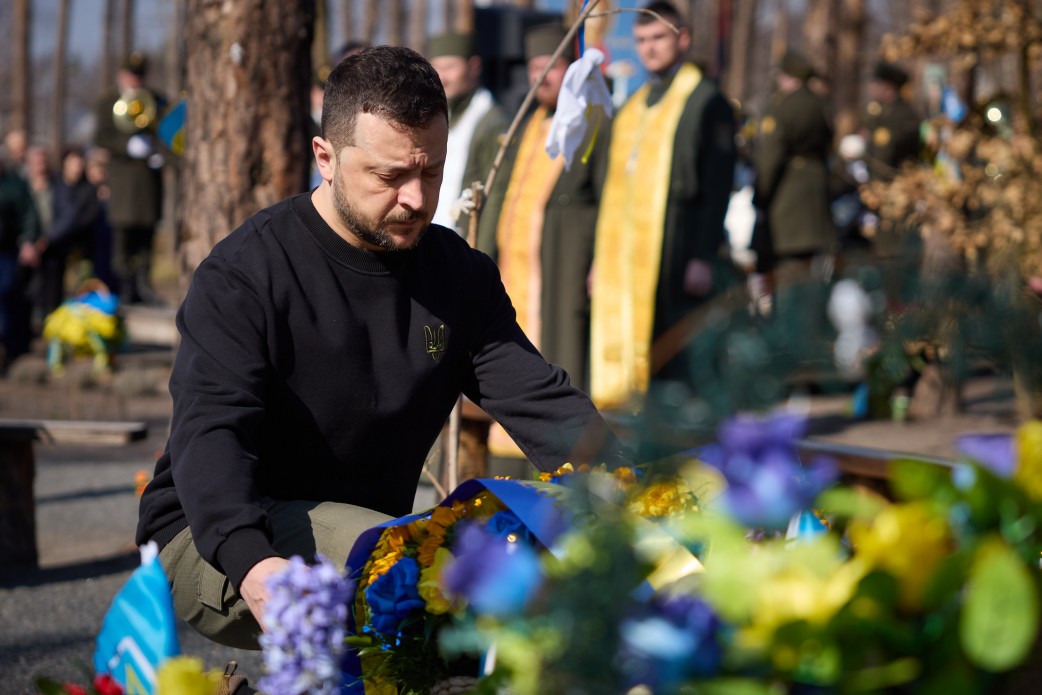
(768, 125)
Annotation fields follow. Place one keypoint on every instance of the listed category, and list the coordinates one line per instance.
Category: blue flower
(766, 483)
(996, 452)
(306, 618)
(669, 641)
(497, 577)
(394, 596)
(506, 523)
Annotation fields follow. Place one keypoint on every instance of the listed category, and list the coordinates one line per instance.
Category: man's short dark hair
(394, 83)
(667, 10)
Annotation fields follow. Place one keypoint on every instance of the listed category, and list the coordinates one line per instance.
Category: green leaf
(48, 686)
(913, 480)
(848, 503)
(733, 686)
(1000, 616)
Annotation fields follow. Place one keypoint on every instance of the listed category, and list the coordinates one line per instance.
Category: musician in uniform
(125, 118)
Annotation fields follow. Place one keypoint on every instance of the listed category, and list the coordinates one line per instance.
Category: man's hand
(28, 255)
(698, 278)
(254, 587)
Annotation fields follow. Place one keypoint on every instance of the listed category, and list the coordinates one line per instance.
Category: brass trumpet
(135, 111)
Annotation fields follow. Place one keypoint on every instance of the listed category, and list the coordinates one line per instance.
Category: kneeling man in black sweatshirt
(323, 345)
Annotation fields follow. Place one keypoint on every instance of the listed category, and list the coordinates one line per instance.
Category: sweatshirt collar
(376, 262)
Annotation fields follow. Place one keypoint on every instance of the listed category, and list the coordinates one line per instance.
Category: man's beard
(366, 230)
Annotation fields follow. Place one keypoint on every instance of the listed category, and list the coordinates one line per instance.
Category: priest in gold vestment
(539, 221)
(660, 230)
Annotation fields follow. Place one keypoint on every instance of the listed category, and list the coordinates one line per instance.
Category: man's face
(129, 80)
(550, 89)
(385, 187)
(882, 91)
(459, 75)
(73, 167)
(16, 143)
(659, 47)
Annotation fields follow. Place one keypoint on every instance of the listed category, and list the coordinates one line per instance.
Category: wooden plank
(76, 432)
(864, 461)
(150, 325)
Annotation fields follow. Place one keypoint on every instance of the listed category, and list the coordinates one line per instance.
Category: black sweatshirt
(309, 369)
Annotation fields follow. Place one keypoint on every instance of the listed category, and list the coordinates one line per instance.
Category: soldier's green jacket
(892, 138)
(792, 181)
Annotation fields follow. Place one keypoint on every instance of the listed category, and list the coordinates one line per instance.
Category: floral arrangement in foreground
(483, 552)
(807, 586)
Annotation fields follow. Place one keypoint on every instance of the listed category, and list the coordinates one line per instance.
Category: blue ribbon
(582, 31)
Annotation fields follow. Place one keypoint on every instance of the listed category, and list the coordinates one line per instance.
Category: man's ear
(684, 40)
(325, 158)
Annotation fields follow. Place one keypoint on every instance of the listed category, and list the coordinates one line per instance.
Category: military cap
(135, 62)
(452, 44)
(543, 40)
(796, 65)
(889, 72)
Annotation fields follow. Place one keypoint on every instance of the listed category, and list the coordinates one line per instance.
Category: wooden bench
(18, 471)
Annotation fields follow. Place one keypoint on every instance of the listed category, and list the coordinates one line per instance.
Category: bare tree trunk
(372, 18)
(248, 71)
(394, 23)
(418, 26)
(320, 46)
(816, 24)
(21, 96)
(741, 47)
(60, 47)
(850, 51)
(465, 16)
(127, 39)
(347, 20)
(448, 9)
(780, 36)
(108, 71)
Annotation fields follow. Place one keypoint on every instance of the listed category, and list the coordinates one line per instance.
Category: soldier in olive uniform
(792, 179)
(891, 125)
(135, 182)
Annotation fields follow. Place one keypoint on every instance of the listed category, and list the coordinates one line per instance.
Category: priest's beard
(367, 230)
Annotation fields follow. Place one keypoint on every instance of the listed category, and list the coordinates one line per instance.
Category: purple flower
(496, 577)
(306, 620)
(506, 523)
(996, 452)
(669, 641)
(394, 596)
(766, 483)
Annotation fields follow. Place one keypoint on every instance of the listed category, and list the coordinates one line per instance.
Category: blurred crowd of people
(86, 212)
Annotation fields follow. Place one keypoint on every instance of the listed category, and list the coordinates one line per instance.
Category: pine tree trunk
(418, 26)
(780, 35)
(21, 96)
(465, 16)
(108, 71)
(850, 49)
(127, 25)
(347, 23)
(246, 144)
(372, 19)
(394, 23)
(816, 44)
(60, 47)
(741, 49)
(320, 46)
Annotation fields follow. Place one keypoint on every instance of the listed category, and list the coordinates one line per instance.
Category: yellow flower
(663, 499)
(566, 469)
(430, 585)
(183, 675)
(1029, 458)
(906, 540)
(625, 475)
